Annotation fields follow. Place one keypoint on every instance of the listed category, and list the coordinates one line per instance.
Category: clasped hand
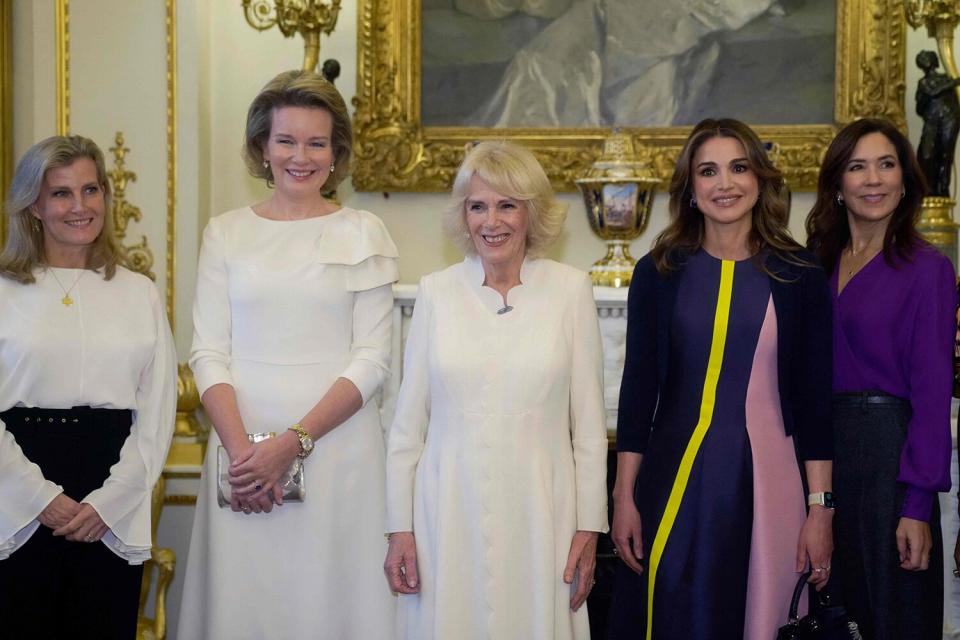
(255, 473)
(76, 521)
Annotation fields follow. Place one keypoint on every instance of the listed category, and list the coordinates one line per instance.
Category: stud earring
(693, 202)
(903, 192)
(840, 199)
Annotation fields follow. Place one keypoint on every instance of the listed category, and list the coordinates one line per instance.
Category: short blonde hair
(298, 89)
(24, 249)
(513, 171)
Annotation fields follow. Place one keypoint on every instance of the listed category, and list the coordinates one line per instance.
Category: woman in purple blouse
(893, 332)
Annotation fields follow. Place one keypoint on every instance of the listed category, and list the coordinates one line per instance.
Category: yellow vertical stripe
(707, 404)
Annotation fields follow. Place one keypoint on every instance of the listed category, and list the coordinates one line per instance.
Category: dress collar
(492, 299)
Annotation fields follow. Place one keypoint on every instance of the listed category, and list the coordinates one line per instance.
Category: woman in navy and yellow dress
(724, 416)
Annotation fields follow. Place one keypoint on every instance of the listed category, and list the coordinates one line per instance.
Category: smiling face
(872, 182)
(725, 186)
(497, 225)
(300, 150)
(71, 206)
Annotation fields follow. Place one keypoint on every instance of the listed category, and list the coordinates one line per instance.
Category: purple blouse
(893, 331)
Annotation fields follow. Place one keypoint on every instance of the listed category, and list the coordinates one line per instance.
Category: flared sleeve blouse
(894, 329)
(284, 262)
(111, 349)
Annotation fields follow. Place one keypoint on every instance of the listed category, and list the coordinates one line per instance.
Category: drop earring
(693, 202)
(266, 164)
(331, 167)
(840, 199)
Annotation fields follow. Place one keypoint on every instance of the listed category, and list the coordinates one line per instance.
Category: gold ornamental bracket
(396, 151)
(136, 257)
(309, 18)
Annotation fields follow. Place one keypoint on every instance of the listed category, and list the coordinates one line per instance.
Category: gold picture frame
(396, 152)
(6, 106)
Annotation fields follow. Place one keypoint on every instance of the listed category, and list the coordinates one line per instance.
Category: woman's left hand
(914, 542)
(581, 562)
(86, 526)
(816, 545)
(259, 473)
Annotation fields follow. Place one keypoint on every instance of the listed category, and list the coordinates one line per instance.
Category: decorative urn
(618, 194)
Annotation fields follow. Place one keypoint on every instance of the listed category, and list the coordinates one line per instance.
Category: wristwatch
(306, 442)
(822, 498)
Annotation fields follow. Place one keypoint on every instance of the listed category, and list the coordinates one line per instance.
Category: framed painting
(6, 105)
(558, 75)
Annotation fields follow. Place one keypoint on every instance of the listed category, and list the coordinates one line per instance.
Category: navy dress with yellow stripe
(695, 489)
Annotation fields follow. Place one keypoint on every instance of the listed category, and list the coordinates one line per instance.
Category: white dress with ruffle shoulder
(283, 309)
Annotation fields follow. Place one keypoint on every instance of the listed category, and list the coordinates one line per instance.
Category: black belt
(864, 399)
(79, 416)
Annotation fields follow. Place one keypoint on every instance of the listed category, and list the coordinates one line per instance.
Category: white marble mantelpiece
(612, 314)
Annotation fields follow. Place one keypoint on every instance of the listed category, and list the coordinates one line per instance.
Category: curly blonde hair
(513, 171)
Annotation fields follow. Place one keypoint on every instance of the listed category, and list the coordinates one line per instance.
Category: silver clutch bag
(291, 482)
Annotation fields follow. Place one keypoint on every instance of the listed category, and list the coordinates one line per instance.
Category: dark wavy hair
(768, 233)
(828, 231)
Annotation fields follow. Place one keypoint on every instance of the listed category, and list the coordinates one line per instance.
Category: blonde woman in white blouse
(87, 402)
(496, 463)
(292, 335)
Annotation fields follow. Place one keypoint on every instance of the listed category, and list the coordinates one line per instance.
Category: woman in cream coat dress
(496, 462)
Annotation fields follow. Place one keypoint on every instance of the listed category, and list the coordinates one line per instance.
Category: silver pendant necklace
(66, 300)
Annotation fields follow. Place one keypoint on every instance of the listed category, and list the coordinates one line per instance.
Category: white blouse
(112, 349)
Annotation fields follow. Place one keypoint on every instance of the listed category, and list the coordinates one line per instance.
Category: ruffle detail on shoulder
(359, 241)
(373, 272)
(353, 237)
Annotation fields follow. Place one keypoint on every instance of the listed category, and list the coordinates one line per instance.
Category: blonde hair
(298, 89)
(513, 171)
(24, 249)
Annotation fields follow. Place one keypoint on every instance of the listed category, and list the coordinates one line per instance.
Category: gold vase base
(616, 268)
(937, 225)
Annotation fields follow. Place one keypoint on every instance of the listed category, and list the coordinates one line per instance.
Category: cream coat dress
(283, 309)
(497, 453)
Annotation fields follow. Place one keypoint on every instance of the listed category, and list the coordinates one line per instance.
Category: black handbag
(827, 621)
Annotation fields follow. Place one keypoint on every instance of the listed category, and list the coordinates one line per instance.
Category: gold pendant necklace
(66, 300)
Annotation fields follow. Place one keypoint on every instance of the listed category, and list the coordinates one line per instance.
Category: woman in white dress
(496, 463)
(88, 391)
(292, 330)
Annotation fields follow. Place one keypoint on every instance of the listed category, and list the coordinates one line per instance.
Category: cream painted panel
(118, 83)
(34, 74)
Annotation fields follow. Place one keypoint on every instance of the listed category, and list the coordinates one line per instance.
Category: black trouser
(889, 603)
(50, 587)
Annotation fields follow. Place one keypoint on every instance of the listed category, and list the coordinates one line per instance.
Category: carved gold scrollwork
(309, 18)
(137, 257)
(395, 151)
